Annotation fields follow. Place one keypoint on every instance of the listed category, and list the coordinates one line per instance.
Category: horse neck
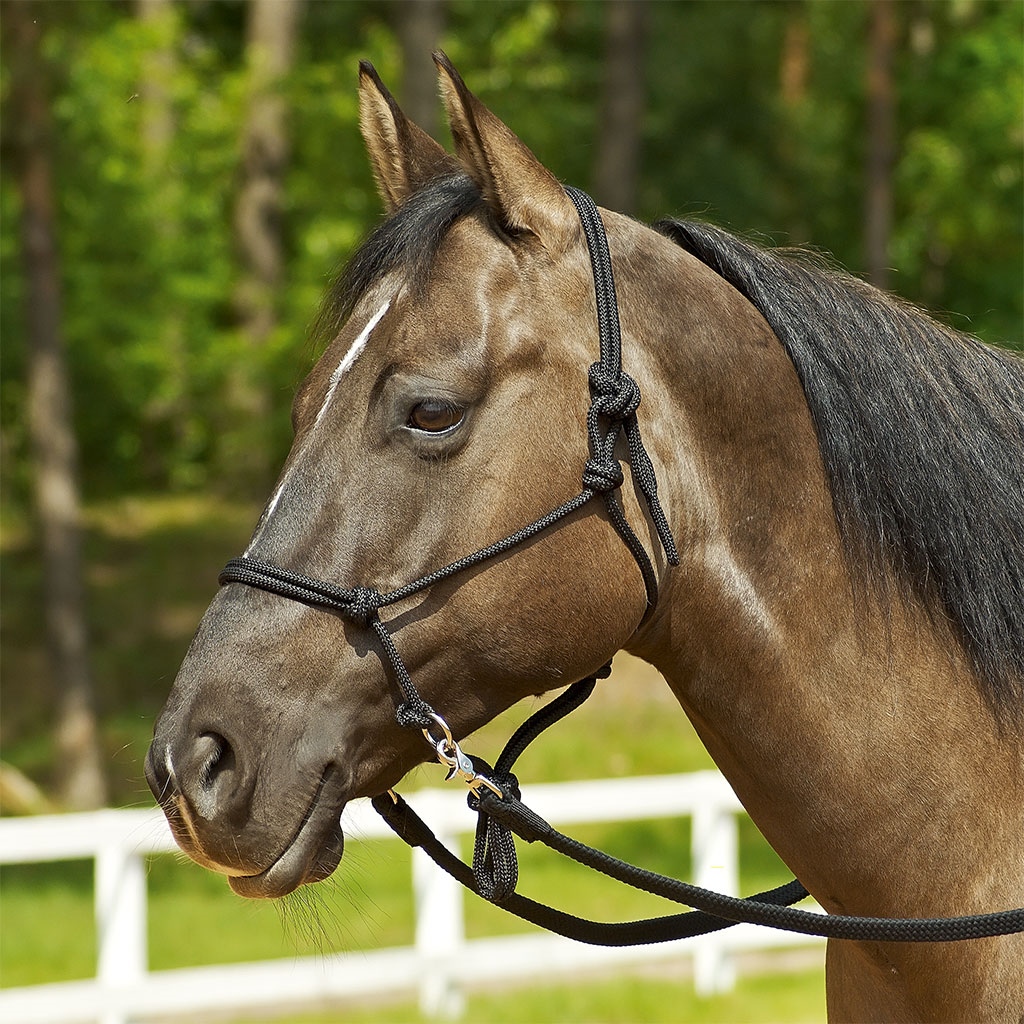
(847, 719)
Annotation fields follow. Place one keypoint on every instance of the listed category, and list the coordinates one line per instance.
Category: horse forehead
(474, 269)
(479, 288)
(503, 291)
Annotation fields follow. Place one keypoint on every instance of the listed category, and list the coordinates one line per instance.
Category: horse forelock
(921, 431)
(408, 240)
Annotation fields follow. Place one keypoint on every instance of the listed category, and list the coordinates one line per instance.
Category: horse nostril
(216, 785)
(216, 760)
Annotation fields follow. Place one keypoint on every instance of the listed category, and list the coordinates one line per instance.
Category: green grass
(631, 999)
(152, 568)
(46, 923)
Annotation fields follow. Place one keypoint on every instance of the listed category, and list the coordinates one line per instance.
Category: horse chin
(312, 855)
(300, 864)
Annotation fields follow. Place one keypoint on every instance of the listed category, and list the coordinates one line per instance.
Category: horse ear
(403, 156)
(523, 194)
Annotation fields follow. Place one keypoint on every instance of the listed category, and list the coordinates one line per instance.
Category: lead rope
(494, 872)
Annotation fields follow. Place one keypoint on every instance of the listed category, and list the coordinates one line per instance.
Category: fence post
(715, 848)
(440, 933)
(120, 924)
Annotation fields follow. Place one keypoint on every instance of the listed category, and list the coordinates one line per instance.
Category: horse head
(449, 408)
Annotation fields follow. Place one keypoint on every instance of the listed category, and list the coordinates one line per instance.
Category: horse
(842, 476)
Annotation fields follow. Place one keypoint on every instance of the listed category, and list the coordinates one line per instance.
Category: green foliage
(150, 267)
(960, 226)
(656, 996)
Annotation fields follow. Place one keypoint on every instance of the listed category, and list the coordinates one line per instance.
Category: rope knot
(413, 715)
(362, 606)
(495, 865)
(507, 782)
(602, 475)
(615, 395)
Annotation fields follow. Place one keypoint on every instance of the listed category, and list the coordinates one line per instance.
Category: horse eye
(434, 415)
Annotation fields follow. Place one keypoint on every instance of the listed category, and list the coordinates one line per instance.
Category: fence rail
(440, 961)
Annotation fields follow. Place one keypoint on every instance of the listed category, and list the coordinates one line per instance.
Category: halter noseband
(614, 398)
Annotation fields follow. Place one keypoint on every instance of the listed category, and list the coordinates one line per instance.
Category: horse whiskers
(302, 919)
(310, 917)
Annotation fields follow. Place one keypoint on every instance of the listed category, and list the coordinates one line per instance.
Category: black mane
(921, 430)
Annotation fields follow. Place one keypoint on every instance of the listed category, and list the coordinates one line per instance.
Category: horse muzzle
(221, 815)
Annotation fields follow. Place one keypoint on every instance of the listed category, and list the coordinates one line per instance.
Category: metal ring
(449, 760)
(448, 738)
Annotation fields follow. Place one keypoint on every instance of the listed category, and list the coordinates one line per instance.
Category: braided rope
(834, 926)
(615, 398)
(411, 829)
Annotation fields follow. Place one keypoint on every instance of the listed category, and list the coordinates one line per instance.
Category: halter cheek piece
(494, 791)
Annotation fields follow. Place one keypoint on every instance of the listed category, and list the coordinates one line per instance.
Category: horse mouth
(313, 852)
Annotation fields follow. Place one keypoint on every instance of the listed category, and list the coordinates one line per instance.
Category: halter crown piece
(494, 792)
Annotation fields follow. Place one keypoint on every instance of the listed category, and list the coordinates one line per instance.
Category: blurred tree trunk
(881, 141)
(80, 781)
(419, 27)
(616, 173)
(154, 89)
(164, 191)
(271, 31)
(794, 73)
(923, 32)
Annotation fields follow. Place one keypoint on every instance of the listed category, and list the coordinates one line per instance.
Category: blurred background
(183, 178)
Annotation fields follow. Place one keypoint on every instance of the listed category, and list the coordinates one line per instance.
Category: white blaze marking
(347, 360)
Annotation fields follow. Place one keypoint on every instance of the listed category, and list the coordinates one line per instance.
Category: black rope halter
(614, 398)
(494, 791)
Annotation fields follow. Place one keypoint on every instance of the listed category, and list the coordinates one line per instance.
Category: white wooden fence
(441, 960)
